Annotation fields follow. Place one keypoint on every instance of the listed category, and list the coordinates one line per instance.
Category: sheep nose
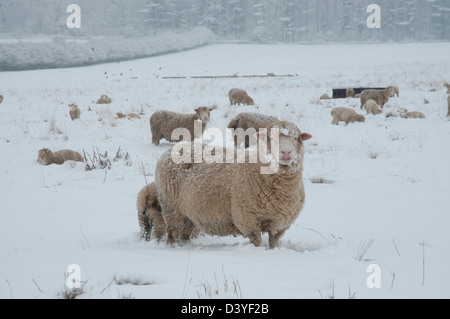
(286, 153)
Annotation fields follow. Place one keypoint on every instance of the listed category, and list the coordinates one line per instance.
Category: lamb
(381, 97)
(104, 99)
(149, 213)
(238, 96)
(349, 92)
(1, 99)
(234, 199)
(47, 157)
(325, 97)
(372, 107)
(344, 114)
(246, 121)
(163, 123)
(394, 91)
(414, 115)
(120, 115)
(447, 85)
(74, 111)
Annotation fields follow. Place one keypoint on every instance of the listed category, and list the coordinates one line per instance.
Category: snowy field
(375, 192)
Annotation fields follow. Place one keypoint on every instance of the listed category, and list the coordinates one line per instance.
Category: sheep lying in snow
(238, 96)
(250, 120)
(398, 113)
(149, 213)
(325, 97)
(130, 115)
(344, 114)
(394, 91)
(349, 92)
(104, 99)
(448, 87)
(381, 97)
(234, 199)
(163, 123)
(47, 157)
(1, 99)
(414, 115)
(372, 107)
(74, 111)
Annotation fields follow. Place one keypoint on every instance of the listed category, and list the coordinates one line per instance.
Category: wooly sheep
(394, 91)
(163, 123)
(149, 213)
(232, 199)
(349, 92)
(246, 121)
(372, 107)
(74, 111)
(414, 115)
(381, 97)
(47, 157)
(448, 103)
(238, 96)
(344, 114)
(448, 87)
(325, 97)
(104, 99)
(1, 99)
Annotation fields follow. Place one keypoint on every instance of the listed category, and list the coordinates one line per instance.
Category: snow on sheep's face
(44, 156)
(204, 114)
(290, 143)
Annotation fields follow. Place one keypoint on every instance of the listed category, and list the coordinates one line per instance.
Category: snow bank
(61, 53)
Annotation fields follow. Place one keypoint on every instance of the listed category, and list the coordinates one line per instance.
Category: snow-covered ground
(381, 186)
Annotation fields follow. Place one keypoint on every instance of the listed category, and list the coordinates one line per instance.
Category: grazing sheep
(381, 97)
(325, 97)
(372, 107)
(448, 103)
(1, 99)
(130, 115)
(163, 123)
(149, 213)
(349, 92)
(414, 115)
(250, 120)
(47, 157)
(344, 114)
(238, 96)
(104, 99)
(394, 91)
(74, 111)
(448, 87)
(234, 199)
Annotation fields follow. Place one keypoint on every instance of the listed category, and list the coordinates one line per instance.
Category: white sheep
(163, 123)
(104, 99)
(394, 91)
(246, 121)
(349, 92)
(74, 111)
(325, 97)
(381, 97)
(414, 115)
(344, 114)
(372, 107)
(149, 213)
(238, 96)
(234, 199)
(47, 157)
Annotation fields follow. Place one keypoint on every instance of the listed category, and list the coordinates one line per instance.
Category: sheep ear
(47, 151)
(196, 110)
(306, 136)
(211, 109)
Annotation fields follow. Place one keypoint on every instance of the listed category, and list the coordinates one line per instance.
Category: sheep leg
(187, 230)
(145, 225)
(274, 238)
(335, 121)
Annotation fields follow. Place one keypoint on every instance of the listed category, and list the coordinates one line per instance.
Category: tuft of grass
(362, 250)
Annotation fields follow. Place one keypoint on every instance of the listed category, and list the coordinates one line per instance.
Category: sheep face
(249, 100)
(204, 114)
(289, 149)
(45, 156)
